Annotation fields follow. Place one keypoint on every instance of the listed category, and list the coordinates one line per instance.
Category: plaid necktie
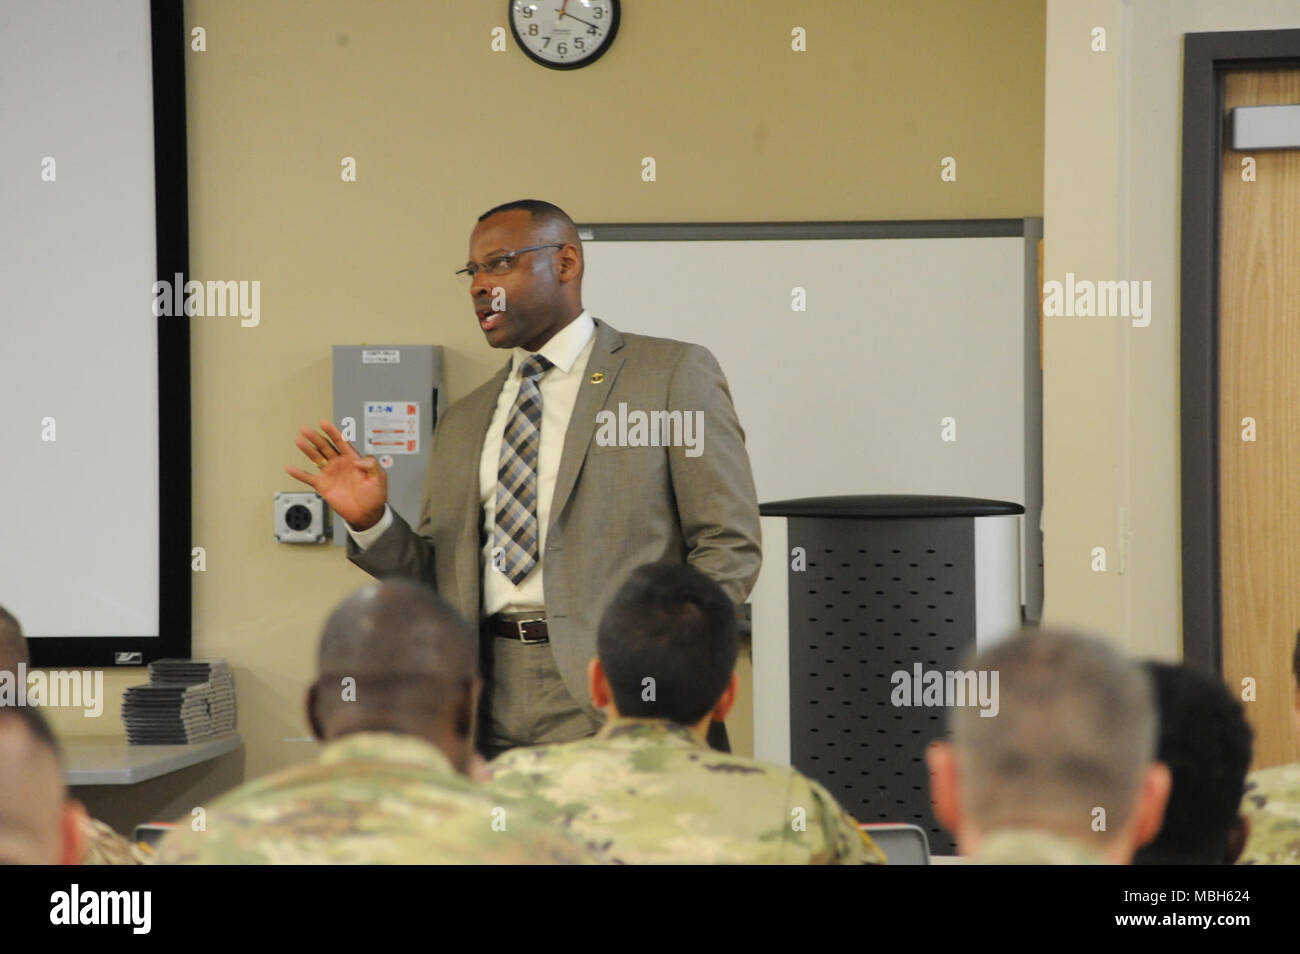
(515, 536)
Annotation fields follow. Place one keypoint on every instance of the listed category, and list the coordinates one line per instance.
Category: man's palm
(355, 487)
(351, 488)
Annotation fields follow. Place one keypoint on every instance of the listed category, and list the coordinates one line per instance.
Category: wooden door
(1259, 378)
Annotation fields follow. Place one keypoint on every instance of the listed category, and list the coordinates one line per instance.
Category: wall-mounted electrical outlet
(301, 518)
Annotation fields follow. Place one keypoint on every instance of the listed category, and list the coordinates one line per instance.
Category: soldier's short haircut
(407, 652)
(37, 727)
(32, 789)
(1206, 742)
(1075, 731)
(13, 645)
(672, 625)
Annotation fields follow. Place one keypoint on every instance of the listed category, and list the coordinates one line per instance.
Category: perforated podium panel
(854, 591)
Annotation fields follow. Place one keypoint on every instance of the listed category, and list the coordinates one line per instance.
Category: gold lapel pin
(597, 377)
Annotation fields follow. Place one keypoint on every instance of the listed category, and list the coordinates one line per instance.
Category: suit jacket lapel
(606, 359)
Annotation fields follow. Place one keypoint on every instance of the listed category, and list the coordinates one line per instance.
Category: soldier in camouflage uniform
(39, 823)
(1028, 846)
(1064, 772)
(647, 789)
(371, 798)
(394, 704)
(1272, 803)
(104, 846)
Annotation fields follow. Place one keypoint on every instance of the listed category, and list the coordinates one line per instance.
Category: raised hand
(355, 487)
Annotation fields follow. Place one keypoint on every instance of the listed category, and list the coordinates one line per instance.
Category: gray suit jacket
(614, 507)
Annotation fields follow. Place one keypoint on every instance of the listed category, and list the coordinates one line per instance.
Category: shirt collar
(565, 346)
(386, 747)
(661, 730)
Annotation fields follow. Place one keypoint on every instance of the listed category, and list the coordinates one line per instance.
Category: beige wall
(1111, 201)
(442, 128)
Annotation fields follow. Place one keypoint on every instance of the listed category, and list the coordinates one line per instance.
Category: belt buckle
(520, 624)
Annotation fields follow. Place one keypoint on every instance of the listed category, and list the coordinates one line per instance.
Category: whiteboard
(901, 339)
(79, 549)
(849, 396)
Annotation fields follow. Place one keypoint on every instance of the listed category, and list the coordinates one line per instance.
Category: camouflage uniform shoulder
(1272, 803)
(1023, 846)
(847, 843)
(370, 798)
(104, 846)
(649, 792)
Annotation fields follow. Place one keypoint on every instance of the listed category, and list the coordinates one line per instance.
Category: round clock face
(564, 34)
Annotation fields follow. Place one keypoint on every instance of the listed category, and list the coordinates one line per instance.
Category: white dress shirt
(569, 351)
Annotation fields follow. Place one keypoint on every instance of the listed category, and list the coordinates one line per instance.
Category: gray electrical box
(390, 397)
(301, 517)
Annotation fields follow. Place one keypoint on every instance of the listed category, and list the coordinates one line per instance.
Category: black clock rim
(587, 61)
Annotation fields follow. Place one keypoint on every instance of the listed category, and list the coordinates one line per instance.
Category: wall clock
(564, 34)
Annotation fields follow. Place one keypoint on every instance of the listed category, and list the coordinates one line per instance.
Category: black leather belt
(530, 629)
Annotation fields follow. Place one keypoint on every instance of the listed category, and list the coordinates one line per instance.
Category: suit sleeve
(717, 505)
(401, 551)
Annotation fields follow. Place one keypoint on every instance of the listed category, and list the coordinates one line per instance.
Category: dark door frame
(1206, 57)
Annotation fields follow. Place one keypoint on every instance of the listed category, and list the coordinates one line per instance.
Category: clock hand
(579, 19)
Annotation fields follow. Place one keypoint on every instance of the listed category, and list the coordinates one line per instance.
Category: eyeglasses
(501, 263)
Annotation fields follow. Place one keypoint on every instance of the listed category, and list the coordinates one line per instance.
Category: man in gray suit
(590, 453)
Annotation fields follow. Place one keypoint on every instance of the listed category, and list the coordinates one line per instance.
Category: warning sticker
(392, 427)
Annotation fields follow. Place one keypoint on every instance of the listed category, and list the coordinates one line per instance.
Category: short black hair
(542, 212)
(1206, 742)
(670, 623)
(30, 716)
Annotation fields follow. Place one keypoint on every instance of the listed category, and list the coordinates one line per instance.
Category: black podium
(854, 591)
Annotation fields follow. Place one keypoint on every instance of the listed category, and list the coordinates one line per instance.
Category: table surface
(111, 760)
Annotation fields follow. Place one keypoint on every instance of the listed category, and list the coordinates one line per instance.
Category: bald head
(38, 825)
(13, 645)
(395, 657)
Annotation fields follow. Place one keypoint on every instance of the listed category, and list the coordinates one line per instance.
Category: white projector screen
(80, 545)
